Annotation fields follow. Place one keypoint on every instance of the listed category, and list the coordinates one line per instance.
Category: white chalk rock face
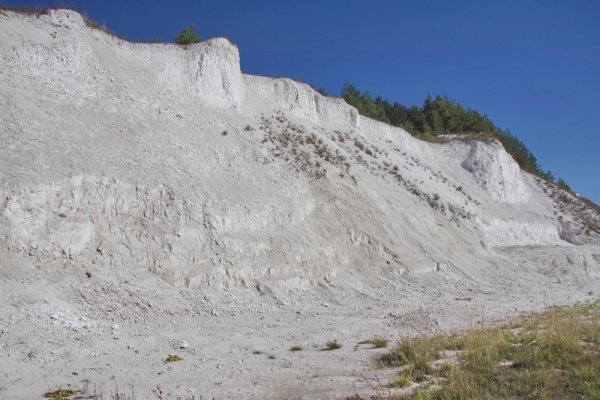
(36, 227)
(212, 70)
(147, 189)
(503, 233)
(303, 101)
(80, 63)
(496, 172)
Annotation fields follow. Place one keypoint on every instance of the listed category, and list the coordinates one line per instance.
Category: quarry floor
(106, 337)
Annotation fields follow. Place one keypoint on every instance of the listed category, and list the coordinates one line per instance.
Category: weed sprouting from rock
(332, 345)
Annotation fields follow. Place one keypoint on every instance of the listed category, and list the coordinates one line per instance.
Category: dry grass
(552, 355)
(25, 10)
(333, 345)
(38, 11)
(59, 394)
(304, 149)
(173, 358)
(378, 342)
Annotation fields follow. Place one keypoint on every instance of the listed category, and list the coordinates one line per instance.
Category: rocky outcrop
(496, 172)
(61, 53)
(168, 159)
(303, 101)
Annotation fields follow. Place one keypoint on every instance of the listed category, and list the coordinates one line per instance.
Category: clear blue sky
(532, 66)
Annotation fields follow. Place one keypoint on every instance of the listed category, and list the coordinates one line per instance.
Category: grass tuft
(173, 358)
(378, 342)
(400, 382)
(332, 345)
(59, 394)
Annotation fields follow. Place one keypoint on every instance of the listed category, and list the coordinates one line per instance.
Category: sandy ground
(117, 334)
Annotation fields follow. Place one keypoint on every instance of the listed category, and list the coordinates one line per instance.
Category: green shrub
(188, 36)
(563, 185)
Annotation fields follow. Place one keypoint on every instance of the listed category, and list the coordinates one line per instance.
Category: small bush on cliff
(563, 185)
(188, 35)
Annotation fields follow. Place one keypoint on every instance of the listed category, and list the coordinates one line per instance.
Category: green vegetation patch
(173, 358)
(552, 355)
(59, 394)
(378, 342)
(401, 382)
(188, 35)
(441, 115)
